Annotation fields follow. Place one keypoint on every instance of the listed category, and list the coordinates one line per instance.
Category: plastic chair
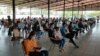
(54, 43)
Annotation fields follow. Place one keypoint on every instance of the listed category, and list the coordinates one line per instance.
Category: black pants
(76, 32)
(42, 53)
(70, 37)
(9, 31)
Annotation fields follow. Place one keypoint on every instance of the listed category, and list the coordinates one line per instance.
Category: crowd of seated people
(58, 31)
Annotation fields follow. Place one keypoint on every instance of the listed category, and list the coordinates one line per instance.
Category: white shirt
(58, 34)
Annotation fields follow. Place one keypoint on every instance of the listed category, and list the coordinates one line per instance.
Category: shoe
(61, 50)
(76, 37)
(70, 41)
(76, 46)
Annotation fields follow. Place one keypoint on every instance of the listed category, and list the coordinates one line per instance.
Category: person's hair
(14, 27)
(63, 23)
(70, 23)
(56, 28)
(31, 34)
(51, 24)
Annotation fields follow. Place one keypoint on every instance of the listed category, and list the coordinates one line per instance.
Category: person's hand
(38, 51)
(37, 48)
(26, 55)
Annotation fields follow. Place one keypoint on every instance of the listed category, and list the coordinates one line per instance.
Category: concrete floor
(88, 42)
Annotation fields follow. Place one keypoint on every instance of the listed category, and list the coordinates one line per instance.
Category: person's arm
(52, 38)
(36, 46)
(23, 47)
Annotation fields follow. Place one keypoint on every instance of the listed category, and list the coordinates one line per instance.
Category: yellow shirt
(28, 45)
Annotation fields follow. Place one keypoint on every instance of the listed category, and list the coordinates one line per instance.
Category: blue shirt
(63, 31)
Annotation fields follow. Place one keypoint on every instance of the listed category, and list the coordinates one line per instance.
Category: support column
(85, 10)
(41, 11)
(64, 10)
(78, 8)
(82, 11)
(30, 12)
(13, 8)
(72, 10)
(91, 7)
(48, 9)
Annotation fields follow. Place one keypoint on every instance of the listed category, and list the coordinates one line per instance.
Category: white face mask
(68, 23)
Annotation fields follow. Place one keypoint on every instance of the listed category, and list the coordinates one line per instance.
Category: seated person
(16, 33)
(53, 35)
(31, 47)
(68, 34)
(58, 36)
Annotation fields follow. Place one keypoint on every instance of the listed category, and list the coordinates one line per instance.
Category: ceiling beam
(77, 5)
(32, 4)
(58, 3)
(51, 4)
(70, 4)
(28, 1)
(5, 2)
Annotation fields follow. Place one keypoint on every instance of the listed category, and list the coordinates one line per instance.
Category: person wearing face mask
(51, 30)
(71, 34)
(75, 29)
(31, 48)
(59, 38)
(67, 34)
(56, 37)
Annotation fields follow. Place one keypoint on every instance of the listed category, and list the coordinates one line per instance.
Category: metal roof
(57, 4)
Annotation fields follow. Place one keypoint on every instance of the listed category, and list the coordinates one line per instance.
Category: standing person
(31, 47)
(9, 20)
(21, 26)
(10, 25)
(81, 26)
(2, 22)
(97, 20)
(37, 29)
(26, 28)
(10, 30)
